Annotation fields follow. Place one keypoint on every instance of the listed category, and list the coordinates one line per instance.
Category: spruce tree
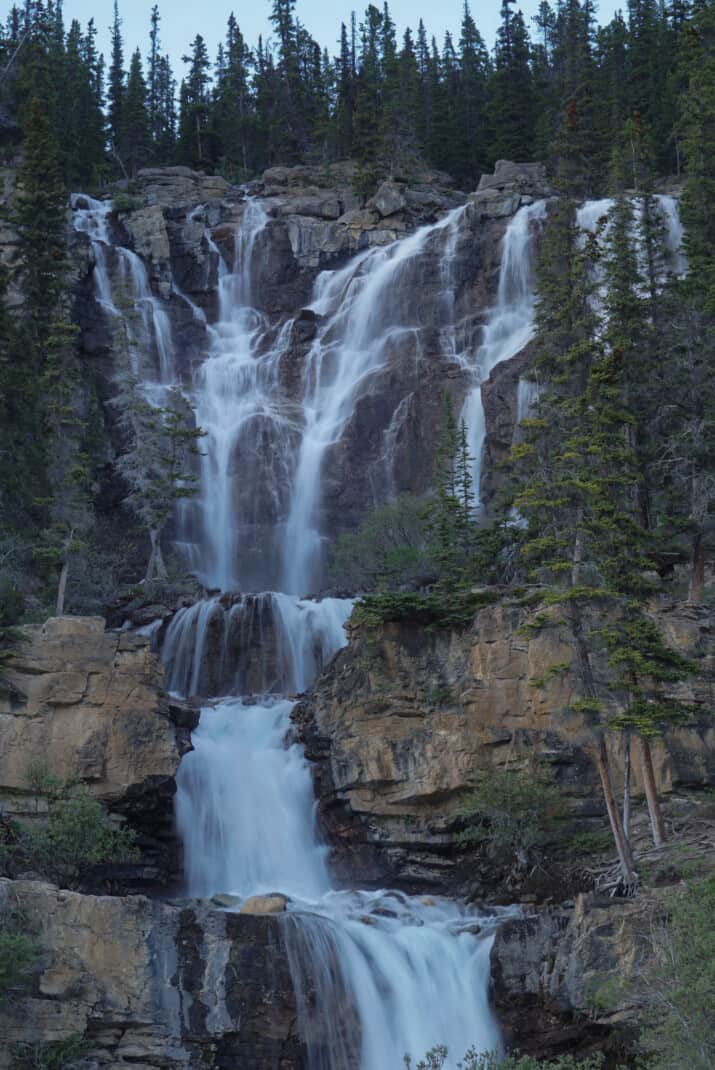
(115, 87)
(135, 139)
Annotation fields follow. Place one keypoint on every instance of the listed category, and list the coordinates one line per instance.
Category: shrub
(680, 988)
(76, 837)
(56, 1055)
(125, 202)
(436, 1058)
(19, 952)
(513, 810)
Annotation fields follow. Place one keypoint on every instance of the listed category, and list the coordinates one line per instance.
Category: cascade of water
(92, 217)
(367, 306)
(269, 643)
(391, 974)
(509, 326)
(245, 808)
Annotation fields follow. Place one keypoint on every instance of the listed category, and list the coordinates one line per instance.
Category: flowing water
(378, 974)
(509, 326)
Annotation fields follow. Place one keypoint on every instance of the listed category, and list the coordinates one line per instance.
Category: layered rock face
(404, 720)
(568, 979)
(88, 704)
(153, 984)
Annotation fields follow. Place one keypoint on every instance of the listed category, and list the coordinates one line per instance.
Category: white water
(412, 972)
(262, 644)
(509, 326)
(146, 322)
(368, 307)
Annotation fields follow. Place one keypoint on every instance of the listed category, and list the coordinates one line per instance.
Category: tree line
(384, 101)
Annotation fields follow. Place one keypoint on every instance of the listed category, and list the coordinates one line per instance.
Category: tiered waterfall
(388, 974)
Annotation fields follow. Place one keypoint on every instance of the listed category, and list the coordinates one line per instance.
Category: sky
(183, 19)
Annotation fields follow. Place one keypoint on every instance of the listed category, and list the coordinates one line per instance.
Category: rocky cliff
(88, 704)
(405, 719)
(152, 984)
(182, 226)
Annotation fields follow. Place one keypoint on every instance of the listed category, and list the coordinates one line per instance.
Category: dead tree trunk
(651, 793)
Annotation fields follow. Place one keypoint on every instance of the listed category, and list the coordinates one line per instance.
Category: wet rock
(227, 902)
(265, 904)
(154, 984)
(548, 969)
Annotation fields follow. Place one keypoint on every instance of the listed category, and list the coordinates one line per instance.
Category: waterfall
(378, 974)
(150, 328)
(509, 325)
(261, 644)
(366, 308)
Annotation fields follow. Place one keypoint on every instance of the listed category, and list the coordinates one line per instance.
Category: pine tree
(135, 138)
(115, 88)
(511, 89)
(195, 101)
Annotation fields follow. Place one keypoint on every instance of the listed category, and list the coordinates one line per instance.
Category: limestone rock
(174, 187)
(548, 969)
(495, 203)
(154, 984)
(265, 904)
(392, 764)
(148, 230)
(529, 178)
(89, 703)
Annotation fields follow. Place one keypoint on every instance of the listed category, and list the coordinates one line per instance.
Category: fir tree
(115, 88)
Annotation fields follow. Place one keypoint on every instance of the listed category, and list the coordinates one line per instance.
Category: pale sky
(183, 19)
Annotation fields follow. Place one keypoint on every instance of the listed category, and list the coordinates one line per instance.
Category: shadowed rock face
(404, 719)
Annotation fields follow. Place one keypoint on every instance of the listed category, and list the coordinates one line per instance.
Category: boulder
(494, 203)
(265, 904)
(529, 178)
(175, 187)
(389, 199)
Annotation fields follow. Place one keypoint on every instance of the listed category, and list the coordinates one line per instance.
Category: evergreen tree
(115, 87)
(135, 140)
(194, 107)
(511, 89)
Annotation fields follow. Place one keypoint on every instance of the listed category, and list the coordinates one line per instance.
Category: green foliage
(126, 202)
(586, 843)
(436, 1058)
(603, 994)
(513, 810)
(680, 989)
(66, 1054)
(75, 836)
(434, 610)
(389, 549)
(19, 953)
